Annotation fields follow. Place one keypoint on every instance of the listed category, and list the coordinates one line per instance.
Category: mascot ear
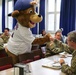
(15, 13)
(33, 3)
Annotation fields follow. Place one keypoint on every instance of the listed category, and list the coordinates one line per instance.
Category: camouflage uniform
(69, 70)
(52, 48)
(1, 44)
(5, 38)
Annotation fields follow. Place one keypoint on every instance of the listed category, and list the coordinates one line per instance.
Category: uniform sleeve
(70, 70)
(63, 46)
(52, 49)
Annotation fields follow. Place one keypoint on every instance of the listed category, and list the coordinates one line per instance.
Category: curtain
(67, 16)
(14, 20)
(75, 15)
(42, 12)
(3, 15)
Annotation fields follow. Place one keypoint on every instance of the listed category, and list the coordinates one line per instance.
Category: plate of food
(63, 55)
(54, 65)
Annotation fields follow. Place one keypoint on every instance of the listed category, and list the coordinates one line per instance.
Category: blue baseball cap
(22, 5)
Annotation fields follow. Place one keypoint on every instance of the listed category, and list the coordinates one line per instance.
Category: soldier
(51, 48)
(70, 47)
(1, 44)
(5, 36)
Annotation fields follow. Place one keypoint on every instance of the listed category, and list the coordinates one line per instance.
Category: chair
(38, 54)
(3, 53)
(5, 63)
(34, 47)
(26, 58)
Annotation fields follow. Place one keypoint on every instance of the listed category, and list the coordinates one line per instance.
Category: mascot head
(24, 13)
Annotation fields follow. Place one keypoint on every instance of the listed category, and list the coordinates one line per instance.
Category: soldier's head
(43, 32)
(58, 35)
(71, 39)
(6, 31)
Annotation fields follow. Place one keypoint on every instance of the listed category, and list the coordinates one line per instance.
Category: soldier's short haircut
(7, 29)
(72, 36)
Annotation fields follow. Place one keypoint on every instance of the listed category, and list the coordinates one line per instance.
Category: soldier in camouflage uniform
(1, 44)
(70, 48)
(51, 47)
(5, 36)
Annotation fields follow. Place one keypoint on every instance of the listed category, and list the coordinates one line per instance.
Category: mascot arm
(41, 41)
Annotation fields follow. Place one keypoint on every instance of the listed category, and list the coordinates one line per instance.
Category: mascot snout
(36, 18)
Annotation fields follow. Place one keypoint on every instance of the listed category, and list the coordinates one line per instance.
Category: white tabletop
(37, 69)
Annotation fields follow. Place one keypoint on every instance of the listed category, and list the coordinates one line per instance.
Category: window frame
(1, 16)
(55, 17)
(6, 15)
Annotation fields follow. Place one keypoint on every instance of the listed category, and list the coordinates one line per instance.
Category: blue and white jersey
(20, 40)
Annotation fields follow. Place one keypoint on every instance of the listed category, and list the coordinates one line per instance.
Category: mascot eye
(30, 11)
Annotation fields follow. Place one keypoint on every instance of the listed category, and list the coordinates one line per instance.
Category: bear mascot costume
(22, 38)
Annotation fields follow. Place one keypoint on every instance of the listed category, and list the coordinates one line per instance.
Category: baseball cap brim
(9, 14)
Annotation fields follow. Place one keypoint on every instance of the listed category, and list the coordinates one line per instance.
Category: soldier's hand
(61, 61)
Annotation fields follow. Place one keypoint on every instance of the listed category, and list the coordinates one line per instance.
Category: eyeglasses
(69, 40)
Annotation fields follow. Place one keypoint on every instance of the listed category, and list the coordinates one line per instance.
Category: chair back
(5, 63)
(3, 53)
(34, 47)
(38, 54)
(26, 57)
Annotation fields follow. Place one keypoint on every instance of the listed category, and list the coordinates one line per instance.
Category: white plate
(56, 66)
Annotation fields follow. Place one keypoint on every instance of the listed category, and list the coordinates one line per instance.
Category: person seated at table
(58, 35)
(5, 35)
(1, 44)
(70, 47)
(43, 33)
(42, 47)
(51, 48)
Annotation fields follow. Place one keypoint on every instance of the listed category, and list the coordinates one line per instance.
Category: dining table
(39, 67)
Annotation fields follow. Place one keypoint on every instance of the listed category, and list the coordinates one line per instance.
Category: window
(10, 19)
(52, 15)
(9, 9)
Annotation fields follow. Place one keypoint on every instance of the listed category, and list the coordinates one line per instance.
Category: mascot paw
(48, 35)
